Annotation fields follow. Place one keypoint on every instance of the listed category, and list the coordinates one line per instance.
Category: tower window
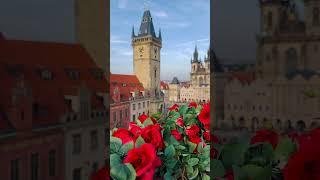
(315, 19)
(155, 73)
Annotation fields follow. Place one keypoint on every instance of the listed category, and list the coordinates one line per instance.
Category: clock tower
(146, 56)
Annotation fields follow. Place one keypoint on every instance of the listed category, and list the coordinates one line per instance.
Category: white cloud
(114, 39)
(122, 4)
(194, 42)
(175, 24)
(160, 14)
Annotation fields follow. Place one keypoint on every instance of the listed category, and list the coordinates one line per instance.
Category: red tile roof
(164, 85)
(243, 77)
(126, 84)
(55, 57)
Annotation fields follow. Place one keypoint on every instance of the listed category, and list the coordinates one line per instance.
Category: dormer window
(124, 84)
(15, 70)
(46, 74)
(72, 74)
(97, 73)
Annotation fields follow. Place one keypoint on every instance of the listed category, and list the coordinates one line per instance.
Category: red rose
(294, 136)
(214, 139)
(229, 175)
(134, 128)
(101, 174)
(204, 116)
(193, 130)
(305, 163)
(193, 104)
(124, 135)
(180, 122)
(206, 135)
(193, 135)
(143, 118)
(152, 134)
(174, 107)
(153, 120)
(149, 175)
(266, 136)
(176, 135)
(143, 159)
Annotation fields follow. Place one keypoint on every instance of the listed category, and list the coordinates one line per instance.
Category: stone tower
(91, 29)
(146, 58)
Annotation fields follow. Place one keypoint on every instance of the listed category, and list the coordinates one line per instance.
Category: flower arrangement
(268, 155)
(177, 146)
(171, 146)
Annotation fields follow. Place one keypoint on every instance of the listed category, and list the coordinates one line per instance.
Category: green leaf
(200, 148)
(115, 144)
(173, 140)
(193, 161)
(218, 168)
(170, 151)
(115, 160)
(139, 141)
(126, 147)
(192, 146)
(205, 177)
(284, 149)
(170, 163)
(147, 122)
(233, 154)
(195, 174)
(123, 172)
(180, 147)
(238, 173)
(189, 170)
(167, 176)
(131, 172)
(257, 172)
(183, 109)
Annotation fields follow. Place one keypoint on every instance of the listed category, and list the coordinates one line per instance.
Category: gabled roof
(164, 85)
(126, 84)
(31, 57)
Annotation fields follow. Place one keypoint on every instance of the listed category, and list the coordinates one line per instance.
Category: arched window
(291, 60)
(200, 80)
(315, 18)
(269, 19)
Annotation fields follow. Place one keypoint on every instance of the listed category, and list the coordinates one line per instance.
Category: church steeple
(160, 37)
(195, 55)
(146, 27)
(133, 34)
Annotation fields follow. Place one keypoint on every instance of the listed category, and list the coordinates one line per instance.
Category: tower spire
(160, 37)
(133, 34)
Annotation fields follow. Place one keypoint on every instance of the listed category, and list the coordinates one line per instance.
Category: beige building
(198, 89)
(286, 91)
(146, 60)
(91, 31)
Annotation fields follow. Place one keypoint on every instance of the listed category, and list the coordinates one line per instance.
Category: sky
(183, 23)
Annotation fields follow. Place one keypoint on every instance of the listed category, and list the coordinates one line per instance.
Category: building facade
(64, 125)
(285, 92)
(198, 89)
(129, 100)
